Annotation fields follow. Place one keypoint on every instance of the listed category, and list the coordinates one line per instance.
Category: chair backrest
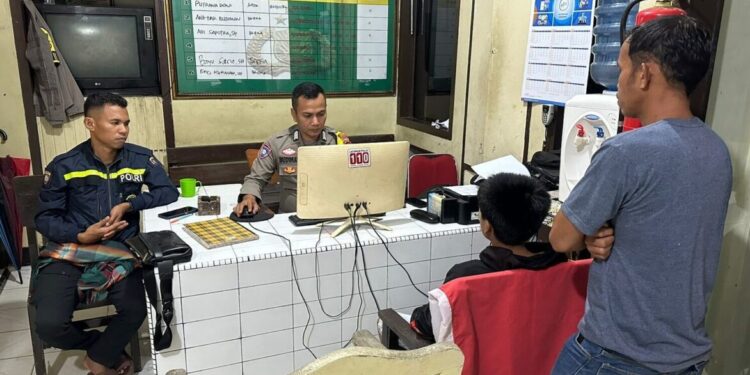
(251, 154)
(511, 322)
(430, 170)
(27, 199)
(442, 358)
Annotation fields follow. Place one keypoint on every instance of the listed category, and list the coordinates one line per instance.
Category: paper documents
(464, 190)
(505, 164)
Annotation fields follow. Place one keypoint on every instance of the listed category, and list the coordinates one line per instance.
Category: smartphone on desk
(182, 211)
(416, 202)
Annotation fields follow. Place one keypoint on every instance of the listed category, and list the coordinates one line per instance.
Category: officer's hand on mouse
(248, 201)
(246, 212)
(100, 231)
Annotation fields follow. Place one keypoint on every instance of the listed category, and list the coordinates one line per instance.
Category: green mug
(187, 187)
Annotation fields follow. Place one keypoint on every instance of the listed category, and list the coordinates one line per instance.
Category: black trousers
(56, 297)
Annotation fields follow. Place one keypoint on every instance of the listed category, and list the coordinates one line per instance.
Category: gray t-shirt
(664, 189)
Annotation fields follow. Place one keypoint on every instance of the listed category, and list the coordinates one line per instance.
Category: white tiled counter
(238, 309)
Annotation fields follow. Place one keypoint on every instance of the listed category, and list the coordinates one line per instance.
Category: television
(331, 177)
(107, 48)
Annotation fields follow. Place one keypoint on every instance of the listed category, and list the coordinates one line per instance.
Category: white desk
(238, 309)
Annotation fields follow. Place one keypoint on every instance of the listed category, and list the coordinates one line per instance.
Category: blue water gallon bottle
(604, 70)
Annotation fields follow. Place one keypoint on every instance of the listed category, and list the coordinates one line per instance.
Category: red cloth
(516, 322)
(11, 167)
(430, 170)
(21, 165)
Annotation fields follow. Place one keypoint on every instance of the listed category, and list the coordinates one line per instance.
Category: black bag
(545, 167)
(162, 250)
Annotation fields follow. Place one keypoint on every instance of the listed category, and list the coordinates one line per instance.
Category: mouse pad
(262, 215)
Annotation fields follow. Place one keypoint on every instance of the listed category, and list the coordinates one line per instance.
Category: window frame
(408, 52)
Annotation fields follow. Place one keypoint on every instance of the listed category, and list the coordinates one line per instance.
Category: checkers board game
(219, 232)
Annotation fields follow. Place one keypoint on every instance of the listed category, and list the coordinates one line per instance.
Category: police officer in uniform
(91, 196)
(279, 153)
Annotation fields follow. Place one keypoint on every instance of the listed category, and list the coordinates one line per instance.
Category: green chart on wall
(266, 47)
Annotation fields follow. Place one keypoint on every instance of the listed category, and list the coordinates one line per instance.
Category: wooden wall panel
(146, 129)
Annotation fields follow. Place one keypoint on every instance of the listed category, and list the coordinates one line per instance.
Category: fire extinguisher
(662, 8)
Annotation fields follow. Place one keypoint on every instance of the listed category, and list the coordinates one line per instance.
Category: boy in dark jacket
(512, 207)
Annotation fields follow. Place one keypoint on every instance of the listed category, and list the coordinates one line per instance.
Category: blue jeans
(582, 357)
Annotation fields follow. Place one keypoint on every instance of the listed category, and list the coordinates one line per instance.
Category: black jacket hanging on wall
(56, 94)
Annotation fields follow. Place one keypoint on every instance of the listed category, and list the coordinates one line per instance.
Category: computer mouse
(247, 217)
(424, 216)
(246, 214)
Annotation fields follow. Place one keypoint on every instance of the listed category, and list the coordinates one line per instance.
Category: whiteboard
(266, 47)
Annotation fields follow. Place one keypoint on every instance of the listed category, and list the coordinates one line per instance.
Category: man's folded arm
(160, 189)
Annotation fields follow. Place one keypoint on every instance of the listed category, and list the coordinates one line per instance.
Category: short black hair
(100, 99)
(310, 90)
(681, 45)
(514, 205)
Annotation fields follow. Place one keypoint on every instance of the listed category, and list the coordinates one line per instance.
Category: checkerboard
(219, 232)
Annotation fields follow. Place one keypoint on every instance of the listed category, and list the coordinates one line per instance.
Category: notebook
(219, 232)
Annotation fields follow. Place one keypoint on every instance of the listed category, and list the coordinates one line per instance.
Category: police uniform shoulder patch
(47, 177)
(152, 160)
(265, 151)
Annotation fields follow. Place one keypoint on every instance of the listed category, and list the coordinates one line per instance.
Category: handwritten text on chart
(263, 39)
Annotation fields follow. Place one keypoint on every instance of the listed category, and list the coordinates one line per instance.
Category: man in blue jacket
(89, 205)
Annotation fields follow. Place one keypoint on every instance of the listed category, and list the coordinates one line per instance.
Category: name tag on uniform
(130, 177)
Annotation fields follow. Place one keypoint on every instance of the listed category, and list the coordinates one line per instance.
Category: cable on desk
(388, 250)
(317, 282)
(351, 294)
(364, 260)
(296, 281)
(357, 249)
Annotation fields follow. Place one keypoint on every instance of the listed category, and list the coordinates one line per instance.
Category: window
(428, 36)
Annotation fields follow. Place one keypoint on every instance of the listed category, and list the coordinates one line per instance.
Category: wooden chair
(510, 322)
(368, 356)
(251, 154)
(27, 198)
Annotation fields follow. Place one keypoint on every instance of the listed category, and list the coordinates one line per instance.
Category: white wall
(495, 115)
(13, 120)
(729, 115)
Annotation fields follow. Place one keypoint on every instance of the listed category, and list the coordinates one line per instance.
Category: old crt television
(328, 177)
(106, 48)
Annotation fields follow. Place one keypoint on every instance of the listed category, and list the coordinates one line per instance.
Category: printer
(465, 206)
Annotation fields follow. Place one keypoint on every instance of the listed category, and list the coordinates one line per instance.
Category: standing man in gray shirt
(664, 189)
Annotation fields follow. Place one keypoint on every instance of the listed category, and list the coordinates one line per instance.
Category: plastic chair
(27, 198)
(368, 356)
(427, 171)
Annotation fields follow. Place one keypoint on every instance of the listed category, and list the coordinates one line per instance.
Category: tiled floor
(15, 342)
